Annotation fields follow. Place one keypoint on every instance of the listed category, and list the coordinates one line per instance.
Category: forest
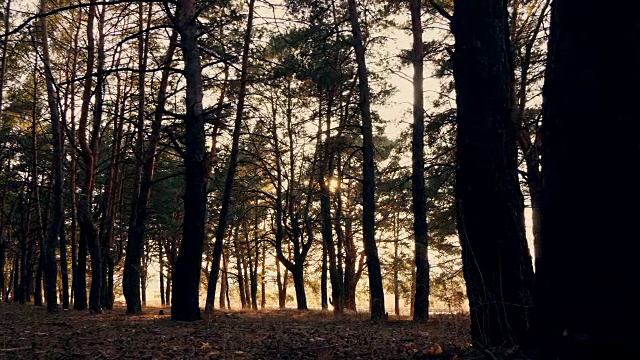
(242, 179)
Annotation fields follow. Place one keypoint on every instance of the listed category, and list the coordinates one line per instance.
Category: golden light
(333, 183)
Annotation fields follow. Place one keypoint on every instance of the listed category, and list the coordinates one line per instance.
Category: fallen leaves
(287, 334)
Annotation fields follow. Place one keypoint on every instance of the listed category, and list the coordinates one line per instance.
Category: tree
(51, 269)
(421, 310)
(146, 172)
(496, 260)
(186, 277)
(590, 123)
(368, 169)
(233, 162)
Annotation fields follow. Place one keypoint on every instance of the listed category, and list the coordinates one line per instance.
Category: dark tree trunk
(588, 264)
(89, 148)
(25, 250)
(56, 227)
(167, 296)
(15, 278)
(186, 277)
(110, 201)
(225, 207)
(78, 248)
(530, 147)
(419, 197)
(298, 284)
(351, 256)
(324, 291)
(2, 263)
(37, 292)
(496, 261)
(144, 179)
(223, 283)
(161, 265)
(238, 256)
(3, 241)
(396, 265)
(376, 292)
(282, 291)
(263, 283)
(3, 56)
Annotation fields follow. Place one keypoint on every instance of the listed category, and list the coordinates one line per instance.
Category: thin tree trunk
(37, 293)
(88, 233)
(324, 291)
(351, 257)
(396, 265)
(368, 170)
(3, 246)
(146, 171)
(3, 57)
(238, 255)
(161, 265)
(78, 252)
(225, 207)
(223, 283)
(282, 294)
(419, 198)
(263, 282)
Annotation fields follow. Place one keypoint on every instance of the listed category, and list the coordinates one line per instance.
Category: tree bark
(225, 207)
(238, 254)
(591, 122)
(55, 228)
(3, 244)
(282, 301)
(490, 208)
(324, 291)
(376, 291)
(419, 197)
(3, 57)
(186, 276)
(146, 172)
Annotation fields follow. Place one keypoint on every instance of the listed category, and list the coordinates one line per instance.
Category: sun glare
(333, 183)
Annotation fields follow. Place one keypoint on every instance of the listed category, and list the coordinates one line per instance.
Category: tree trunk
(263, 283)
(3, 57)
(88, 233)
(376, 291)
(530, 148)
(225, 207)
(3, 246)
(22, 286)
(146, 171)
(396, 265)
(351, 256)
(588, 260)
(298, 284)
(282, 291)
(167, 296)
(186, 277)
(238, 254)
(3, 71)
(161, 265)
(37, 292)
(419, 197)
(496, 261)
(223, 283)
(324, 291)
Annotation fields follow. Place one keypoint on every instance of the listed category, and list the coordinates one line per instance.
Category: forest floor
(28, 332)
